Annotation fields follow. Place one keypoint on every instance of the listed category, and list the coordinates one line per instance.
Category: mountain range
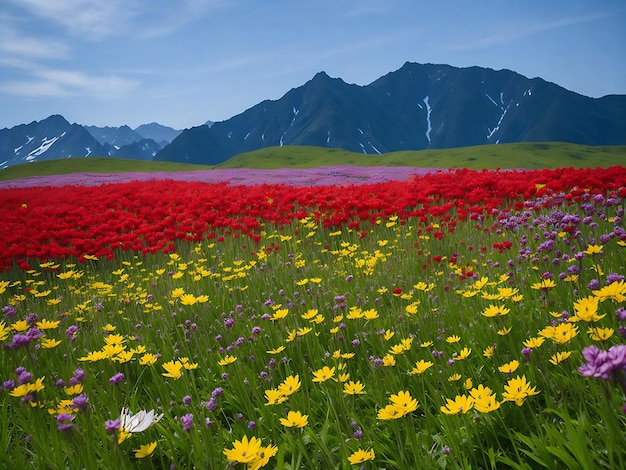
(419, 106)
(54, 138)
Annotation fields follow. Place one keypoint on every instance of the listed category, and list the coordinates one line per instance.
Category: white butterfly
(141, 421)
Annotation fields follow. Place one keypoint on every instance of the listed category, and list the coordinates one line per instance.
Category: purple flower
(186, 400)
(8, 385)
(9, 311)
(187, 421)
(603, 364)
(594, 284)
(24, 377)
(251, 425)
(80, 401)
(621, 313)
(117, 378)
(64, 421)
(79, 375)
(18, 341)
(112, 425)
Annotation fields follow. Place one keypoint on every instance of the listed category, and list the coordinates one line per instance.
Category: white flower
(141, 421)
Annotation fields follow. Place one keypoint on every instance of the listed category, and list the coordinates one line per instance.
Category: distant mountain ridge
(419, 106)
(54, 138)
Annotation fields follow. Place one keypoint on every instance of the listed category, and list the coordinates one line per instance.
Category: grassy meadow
(459, 331)
(518, 155)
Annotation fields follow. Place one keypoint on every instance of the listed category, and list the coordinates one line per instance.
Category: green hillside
(518, 155)
(91, 165)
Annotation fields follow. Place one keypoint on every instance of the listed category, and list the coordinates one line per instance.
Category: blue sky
(183, 62)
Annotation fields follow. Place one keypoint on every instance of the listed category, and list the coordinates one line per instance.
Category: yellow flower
(517, 390)
(389, 360)
(263, 457)
(453, 339)
(108, 327)
(145, 450)
(187, 299)
(389, 412)
(323, 374)
(509, 367)
(281, 313)
(47, 343)
(545, 284)
(454, 377)
(74, 389)
(615, 291)
(295, 419)
(244, 451)
(534, 343)
(600, 334)
(504, 331)
(311, 313)
(484, 399)
(278, 350)
(173, 369)
(404, 402)
(361, 456)
(20, 325)
(559, 357)
(561, 333)
(114, 339)
(420, 367)
(353, 388)
(178, 292)
(274, 397)
(47, 324)
(586, 310)
(227, 360)
(290, 385)
(148, 359)
(489, 351)
(27, 388)
(593, 249)
(463, 354)
(94, 356)
(495, 311)
(460, 404)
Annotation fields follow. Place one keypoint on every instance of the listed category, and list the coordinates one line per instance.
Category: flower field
(458, 319)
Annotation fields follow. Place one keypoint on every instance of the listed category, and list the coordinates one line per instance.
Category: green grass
(91, 165)
(519, 155)
(572, 422)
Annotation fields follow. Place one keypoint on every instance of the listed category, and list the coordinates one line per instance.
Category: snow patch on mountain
(429, 126)
(45, 145)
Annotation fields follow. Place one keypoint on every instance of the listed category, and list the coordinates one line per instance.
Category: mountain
(50, 139)
(419, 106)
(162, 135)
(115, 136)
(54, 138)
(144, 149)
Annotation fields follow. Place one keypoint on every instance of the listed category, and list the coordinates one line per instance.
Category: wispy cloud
(100, 19)
(15, 45)
(511, 32)
(59, 83)
(89, 18)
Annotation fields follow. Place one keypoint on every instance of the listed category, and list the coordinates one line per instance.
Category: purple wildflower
(187, 421)
(112, 425)
(80, 401)
(117, 378)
